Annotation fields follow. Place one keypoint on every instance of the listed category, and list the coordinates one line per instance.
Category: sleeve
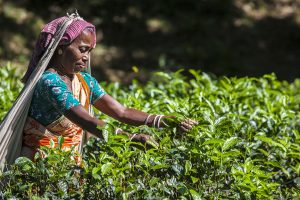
(58, 94)
(96, 90)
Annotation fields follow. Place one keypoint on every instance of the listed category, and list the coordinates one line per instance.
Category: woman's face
(75, 56)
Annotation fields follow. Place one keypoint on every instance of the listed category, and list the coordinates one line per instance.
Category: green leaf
(273, 163)
(164, 75)
(106, 168)
(195, 195)
(95, 170)
(165, 140)
(213, 141)
(229, 143)
(170, 122)
(25, 163)
(152, 143)
(60, 141)
(297, 181)
(194, 179)
(52, 144)
(161, 166)
(153, 181)
(271, 142)
(188, 167)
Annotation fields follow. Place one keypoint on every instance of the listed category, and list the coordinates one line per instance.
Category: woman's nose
(85, 57)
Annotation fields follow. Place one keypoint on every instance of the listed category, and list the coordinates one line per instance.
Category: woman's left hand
(145, 140)
(187, 124)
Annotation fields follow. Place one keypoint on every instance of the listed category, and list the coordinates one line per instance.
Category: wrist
(133, 136)
(156, 121)
(118, 131)
(169, 121)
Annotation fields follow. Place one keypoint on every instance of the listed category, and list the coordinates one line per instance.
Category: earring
(60, 52)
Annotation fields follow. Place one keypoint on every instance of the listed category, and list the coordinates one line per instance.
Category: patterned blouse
(51, 97)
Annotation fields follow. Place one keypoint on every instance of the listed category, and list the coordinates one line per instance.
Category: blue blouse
(51, 97)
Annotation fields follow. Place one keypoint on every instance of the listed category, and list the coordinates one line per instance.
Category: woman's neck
(60, 70)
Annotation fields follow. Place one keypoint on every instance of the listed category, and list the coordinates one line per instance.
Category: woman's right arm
(64, 102)
(80, 116)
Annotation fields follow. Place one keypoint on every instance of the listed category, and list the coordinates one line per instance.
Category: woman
(63, 94)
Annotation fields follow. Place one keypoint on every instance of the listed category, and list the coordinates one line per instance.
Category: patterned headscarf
(46, 35)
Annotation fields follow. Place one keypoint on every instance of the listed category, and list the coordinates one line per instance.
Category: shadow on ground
(213, 36)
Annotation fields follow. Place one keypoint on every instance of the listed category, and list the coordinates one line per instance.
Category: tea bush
(10, 86)
(246, 146)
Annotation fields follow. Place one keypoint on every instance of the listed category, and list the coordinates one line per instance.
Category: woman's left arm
(114, 109)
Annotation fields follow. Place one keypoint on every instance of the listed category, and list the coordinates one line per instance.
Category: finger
(184, 129)
(147, 137)
(194, 122)
(144, 138)
(191, 121)
(186, 125)
(152, 143)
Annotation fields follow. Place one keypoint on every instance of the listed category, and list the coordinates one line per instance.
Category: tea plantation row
(246, 146)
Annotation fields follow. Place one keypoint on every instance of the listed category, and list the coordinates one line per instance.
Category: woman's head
(72, 58)
(47, 34)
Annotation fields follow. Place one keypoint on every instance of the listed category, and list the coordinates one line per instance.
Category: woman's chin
(77, 71)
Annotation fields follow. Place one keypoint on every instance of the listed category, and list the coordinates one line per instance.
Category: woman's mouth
(79, 67)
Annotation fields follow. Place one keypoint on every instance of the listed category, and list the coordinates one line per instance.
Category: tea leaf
(195, 195)
(229, 143)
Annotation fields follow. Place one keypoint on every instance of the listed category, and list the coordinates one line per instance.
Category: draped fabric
(11, 128)
(37, 135)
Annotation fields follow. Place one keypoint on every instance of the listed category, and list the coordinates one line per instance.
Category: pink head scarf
(46, 35)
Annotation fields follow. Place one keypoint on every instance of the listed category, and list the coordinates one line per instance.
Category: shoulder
(48, 75)
(90, 80)
(49, 78)
(86, 76)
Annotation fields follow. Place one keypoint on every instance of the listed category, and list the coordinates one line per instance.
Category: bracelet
(132, 136)
(154, 120)
(164, 123)
(158, 121)
(117, 131)
(148, 117)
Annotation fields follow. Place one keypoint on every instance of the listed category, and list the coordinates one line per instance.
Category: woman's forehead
(86, 37)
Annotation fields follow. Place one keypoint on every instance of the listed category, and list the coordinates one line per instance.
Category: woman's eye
(83, 49)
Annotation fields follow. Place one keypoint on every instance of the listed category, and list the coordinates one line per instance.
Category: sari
(36, 135)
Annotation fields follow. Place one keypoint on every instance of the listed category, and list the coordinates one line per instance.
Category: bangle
(154, 120)
(158, 121)
(164, 123)
(132, 136)
(117, 131)
(148, 117)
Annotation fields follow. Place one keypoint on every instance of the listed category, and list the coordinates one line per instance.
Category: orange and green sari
(37, 135)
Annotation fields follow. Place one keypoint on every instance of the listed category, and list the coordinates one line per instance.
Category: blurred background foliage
(224, 37)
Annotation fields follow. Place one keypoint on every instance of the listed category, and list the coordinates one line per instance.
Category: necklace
(63, 75)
